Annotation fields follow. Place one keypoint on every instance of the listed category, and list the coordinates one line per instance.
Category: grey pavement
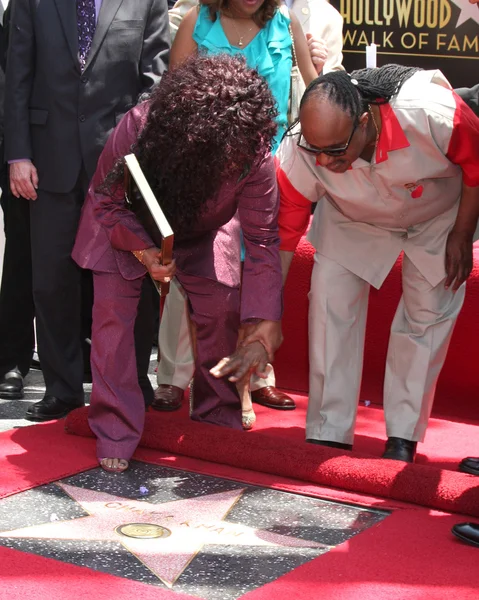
(12, 412)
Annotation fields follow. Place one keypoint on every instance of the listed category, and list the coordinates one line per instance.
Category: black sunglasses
(329, 151)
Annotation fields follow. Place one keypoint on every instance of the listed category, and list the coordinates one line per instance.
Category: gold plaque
(143, 531)
(305, 11)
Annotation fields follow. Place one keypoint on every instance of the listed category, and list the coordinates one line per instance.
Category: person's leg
(420, 336)
(215, 314)
(144, 334)
(176, 365)
(338, 303)
(117, 408)
(57, 281)
(258, 383)
(16, 298)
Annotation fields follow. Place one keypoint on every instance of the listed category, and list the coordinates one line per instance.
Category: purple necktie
(86, 20)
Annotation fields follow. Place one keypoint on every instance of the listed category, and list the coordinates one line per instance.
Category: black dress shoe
(467, 532)
(339, 445)
(50, 408)
(470, 465)
(400, 449)
(11, 386)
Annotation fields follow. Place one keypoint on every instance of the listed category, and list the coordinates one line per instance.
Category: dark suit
(60, 118)
(16, 299)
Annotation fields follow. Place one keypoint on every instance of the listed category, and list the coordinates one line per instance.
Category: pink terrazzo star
(193, 523)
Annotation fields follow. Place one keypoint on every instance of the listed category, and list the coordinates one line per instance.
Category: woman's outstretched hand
(247, 359)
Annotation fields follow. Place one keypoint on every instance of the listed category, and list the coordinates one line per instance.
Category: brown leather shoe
(167, 397)
(272, 398)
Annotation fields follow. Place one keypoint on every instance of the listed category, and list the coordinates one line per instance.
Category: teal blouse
(269, 52)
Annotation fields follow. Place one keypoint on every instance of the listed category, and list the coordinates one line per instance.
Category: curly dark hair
(261, 17)
(209, 120)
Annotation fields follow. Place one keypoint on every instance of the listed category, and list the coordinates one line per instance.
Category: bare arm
(460, 239)
(184, 44)
(305, 63)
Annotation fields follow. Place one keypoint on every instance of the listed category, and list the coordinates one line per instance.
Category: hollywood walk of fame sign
(432, 34)
(189, 525)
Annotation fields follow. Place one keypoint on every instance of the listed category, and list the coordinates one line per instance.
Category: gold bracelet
(138, 254)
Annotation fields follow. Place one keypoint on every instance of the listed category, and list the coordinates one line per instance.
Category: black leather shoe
(467, 532)
(470, 465)
(339, 445)
(11, 386)
(400, 449)
(50, 408)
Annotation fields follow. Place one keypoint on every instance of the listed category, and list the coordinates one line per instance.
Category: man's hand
(458, 259)
(242, 363)
(319, 52)
(159, 272)
(23, 180)
(267, 332)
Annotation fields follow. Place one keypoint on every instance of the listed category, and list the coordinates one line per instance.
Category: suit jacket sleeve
(177, 13)
(121, 226)
(18, 81)
(156, 45)
(262, 288)
(331, 30)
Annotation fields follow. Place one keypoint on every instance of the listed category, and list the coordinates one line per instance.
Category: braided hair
(353, 93)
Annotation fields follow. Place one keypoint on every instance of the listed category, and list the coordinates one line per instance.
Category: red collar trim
(392, 136)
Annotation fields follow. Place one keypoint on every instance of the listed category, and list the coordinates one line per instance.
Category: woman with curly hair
(259, 30)
(203, 141)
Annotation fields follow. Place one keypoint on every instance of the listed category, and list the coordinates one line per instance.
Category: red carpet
(278, 449)
(410, 555)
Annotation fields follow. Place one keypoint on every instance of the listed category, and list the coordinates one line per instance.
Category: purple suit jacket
(108, 231)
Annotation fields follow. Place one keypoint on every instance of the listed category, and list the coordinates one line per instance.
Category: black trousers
(63, 295)
(148, 307)
(16, 299)
(62, 292)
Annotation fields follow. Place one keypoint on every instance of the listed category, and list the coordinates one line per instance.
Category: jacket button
(83, 79)
(81, 118)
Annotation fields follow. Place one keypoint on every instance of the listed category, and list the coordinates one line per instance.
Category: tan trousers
(176, 366)
(418, 343)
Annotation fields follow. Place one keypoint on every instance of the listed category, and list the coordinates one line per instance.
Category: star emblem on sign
(190, 523)
(468, 11)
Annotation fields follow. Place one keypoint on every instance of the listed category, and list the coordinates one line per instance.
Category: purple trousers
(117, 410)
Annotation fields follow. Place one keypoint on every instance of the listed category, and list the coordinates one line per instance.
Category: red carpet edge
(423, 485)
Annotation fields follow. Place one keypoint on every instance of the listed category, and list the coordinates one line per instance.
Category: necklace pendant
(240, 43)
